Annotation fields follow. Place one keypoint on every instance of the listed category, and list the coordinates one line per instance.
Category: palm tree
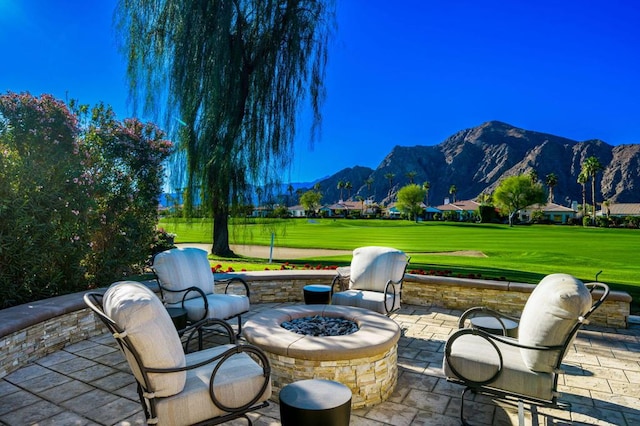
(340, 187)
(582, 180)
(348, 186)
(606, 204)
(290, 192)
(389, 177)
(369, 182)
(452, 191)
(426, 186)
(591, 167)
(361, 199)
(551, 180)
(411, 175)
(533, 175)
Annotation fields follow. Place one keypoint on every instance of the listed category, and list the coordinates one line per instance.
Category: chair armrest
(230, 281)
(253, 351)
(492, 339)
(258, 356)
(191, 331)
(510, 341)
(488, 337)
(596, 287)
(484, 311)
(337, 284)
(395, 292)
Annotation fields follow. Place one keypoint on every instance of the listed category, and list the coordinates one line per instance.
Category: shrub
(79, 196)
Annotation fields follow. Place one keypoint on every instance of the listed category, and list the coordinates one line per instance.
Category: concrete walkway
(89, 383)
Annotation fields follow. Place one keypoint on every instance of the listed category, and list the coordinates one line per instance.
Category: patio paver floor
(89, 383)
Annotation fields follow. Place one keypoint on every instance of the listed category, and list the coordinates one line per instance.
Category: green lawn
(520, 253)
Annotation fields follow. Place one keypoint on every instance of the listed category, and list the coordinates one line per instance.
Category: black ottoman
(179, 317)
(315, 402)
(317, 294)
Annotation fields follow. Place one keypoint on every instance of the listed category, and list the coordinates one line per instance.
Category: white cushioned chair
(374, 280)
(186, 281)
(525, 368)
(213, 385)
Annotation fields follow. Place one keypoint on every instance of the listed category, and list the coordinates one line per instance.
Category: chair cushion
(221, 306)
(476, 359)
(372, 300)
(551, 311)
(372, 267)
(181, 268)
(140, 313)
(237, 381)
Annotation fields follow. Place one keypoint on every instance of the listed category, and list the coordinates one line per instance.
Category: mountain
(476, 159)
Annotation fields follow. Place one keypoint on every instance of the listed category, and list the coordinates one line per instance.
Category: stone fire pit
(365, 361)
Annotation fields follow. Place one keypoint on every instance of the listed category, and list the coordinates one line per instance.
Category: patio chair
(373, 281)
(186, 281)
(525, 368)
(213, 385)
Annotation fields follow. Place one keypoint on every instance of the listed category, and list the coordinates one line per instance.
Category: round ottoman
(315, 402)
(317, 294)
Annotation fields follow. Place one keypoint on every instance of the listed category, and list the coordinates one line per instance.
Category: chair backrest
(180, 268)
(151, 340)
(549, 318)
(372, 267)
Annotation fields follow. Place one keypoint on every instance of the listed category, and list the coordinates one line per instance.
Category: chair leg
(464, 392)
(239, 327)
(520, 412)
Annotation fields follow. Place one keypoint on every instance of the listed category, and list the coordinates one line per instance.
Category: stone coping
(376, 333)
(23, 316)
(614, 296)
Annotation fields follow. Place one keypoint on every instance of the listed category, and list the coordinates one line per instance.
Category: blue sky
(409, 72)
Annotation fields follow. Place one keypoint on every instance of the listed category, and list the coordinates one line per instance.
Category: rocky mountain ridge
(476, 159)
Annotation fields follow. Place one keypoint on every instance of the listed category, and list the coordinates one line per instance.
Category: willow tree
(229, 77)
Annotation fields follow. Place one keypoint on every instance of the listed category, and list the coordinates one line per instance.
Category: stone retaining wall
(503, 296)
(31, 331)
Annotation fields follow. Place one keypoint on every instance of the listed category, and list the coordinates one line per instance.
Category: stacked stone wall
(31, 331)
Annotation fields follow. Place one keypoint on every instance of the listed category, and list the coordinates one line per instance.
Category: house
(297, 211)
(342, 208)
(462, 208)
(620, 209)
(554, 213)
(261, 211)
(392, 211)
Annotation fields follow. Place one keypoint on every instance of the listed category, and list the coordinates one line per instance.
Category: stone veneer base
(364, 361)
(371, 379)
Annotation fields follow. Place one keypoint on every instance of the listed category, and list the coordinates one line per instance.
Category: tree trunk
(220, 210)
(221, 235)
(593, 199)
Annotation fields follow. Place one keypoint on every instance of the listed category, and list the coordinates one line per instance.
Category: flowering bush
(78, 199)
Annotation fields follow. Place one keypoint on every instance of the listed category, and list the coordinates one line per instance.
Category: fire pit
(365, 360)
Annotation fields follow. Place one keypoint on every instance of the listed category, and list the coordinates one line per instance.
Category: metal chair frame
(343, 274)
(228, 282)
(484, 387)
(145, 393)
